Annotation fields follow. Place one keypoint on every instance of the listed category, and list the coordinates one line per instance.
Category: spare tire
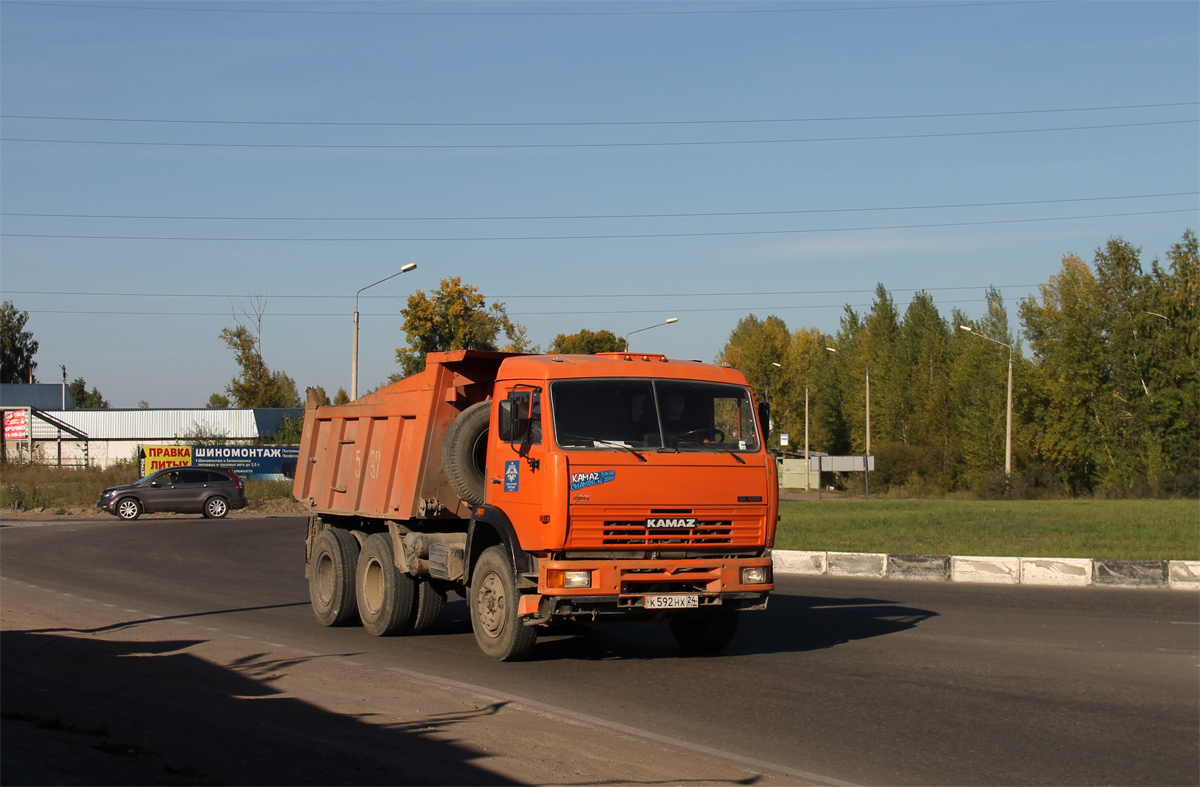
(464, 452)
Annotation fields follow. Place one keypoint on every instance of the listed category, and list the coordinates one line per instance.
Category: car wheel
(216, 507)
(129, 508)
(386, 595)
(494, 602)
(429, 607)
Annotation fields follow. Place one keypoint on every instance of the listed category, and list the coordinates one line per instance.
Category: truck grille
(635, 533)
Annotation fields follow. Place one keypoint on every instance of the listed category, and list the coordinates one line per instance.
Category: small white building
(100, 438)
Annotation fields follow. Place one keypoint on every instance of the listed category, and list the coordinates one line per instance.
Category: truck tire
(332, 569)
(386, 596)
(429, 607)
(704, 632)
(465, 451)
(493, 601)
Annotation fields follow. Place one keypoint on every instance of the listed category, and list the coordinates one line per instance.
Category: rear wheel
(129, 508)
(494, 606)
(704, 632)
(386, 596)
(331, 571)
(216, 507)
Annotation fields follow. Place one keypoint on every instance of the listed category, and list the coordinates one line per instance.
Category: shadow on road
(790, 624)
(90, 711)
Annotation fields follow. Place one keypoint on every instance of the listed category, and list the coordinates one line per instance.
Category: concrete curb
(1060, 571)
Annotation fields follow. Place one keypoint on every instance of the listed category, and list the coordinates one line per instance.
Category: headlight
(559, 578)
(755, 575)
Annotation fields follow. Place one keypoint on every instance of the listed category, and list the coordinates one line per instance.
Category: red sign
(16, 425)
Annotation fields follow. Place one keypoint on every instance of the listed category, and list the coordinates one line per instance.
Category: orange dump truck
(543, 489)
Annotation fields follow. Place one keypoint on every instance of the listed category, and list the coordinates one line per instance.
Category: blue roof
(43, 396)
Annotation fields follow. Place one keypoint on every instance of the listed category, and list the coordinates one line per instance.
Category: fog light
(560, 578)
(754, 575)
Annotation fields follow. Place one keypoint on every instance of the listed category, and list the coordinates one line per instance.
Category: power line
(556, 124)
(602, 216)
(593, 145)
(673, 12)
(343, 315)
(601, 237)
(723, 294)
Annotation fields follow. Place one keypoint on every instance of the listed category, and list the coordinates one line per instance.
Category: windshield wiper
(597, 441)
(718, 446)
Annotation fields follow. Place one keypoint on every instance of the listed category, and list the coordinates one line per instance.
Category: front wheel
(494, 603)
(216, 507)
(129, 508)
(704, 632)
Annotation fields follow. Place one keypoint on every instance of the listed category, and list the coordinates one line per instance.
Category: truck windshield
(683, 415)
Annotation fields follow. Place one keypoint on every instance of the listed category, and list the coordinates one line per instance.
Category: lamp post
(667, 321)
(1008, 409)
(412, 266)
(867, 455)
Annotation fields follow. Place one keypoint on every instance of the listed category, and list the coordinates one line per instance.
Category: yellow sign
(160, 456)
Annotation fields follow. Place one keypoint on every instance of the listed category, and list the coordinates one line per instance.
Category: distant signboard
(842, 464)
(16, 425)
(264, 462)
(157, 457)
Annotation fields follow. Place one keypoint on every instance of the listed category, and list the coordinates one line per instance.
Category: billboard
(157, 457)
(263, 462)
(16, 424)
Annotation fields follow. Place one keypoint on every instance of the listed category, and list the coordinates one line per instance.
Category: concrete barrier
(1068, 571)
(1184, 574)
(1060, 571)
(857, 564)
(1130, 573)
(987, 570)
(934, 568)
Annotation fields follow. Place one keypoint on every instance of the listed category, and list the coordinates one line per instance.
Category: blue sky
(546, 153)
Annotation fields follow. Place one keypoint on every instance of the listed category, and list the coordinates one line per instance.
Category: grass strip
(1104, 529)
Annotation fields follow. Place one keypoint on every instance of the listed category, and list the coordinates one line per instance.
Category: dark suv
(182, 490)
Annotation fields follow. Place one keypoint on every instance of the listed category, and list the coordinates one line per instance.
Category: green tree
(454, 317)
(17, 346)
(218, 402)
(85, 400)
(257, 385)
(587, 342)
(979, 390)
(341, 397)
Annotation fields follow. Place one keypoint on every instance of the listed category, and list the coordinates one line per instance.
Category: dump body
(380, 456)
(543, 488)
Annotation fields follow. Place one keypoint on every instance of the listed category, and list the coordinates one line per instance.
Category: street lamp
(412, 266)
(667, 321)
(867, 455)
(1008, 409)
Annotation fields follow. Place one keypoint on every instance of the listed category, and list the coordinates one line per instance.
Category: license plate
(672, 602)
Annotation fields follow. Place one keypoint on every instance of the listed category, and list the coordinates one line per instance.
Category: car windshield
(683, 415)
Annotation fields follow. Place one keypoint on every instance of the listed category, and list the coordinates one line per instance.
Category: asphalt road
(840, 680)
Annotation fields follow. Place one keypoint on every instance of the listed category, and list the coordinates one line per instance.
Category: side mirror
(516, 413)
(764, 417)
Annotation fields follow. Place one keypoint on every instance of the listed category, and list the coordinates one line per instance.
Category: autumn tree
(455, 317)
(84, 399)
(17, 346)
(257, 385)
(587, 342)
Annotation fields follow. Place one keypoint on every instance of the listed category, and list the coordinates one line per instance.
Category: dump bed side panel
(381, 455)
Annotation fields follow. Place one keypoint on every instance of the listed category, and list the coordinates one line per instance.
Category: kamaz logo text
(668, 522)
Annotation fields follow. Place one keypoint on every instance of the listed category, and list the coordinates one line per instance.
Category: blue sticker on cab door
(583, 480)
(512, 475)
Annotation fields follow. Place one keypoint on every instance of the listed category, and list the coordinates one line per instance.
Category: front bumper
(619, 587)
